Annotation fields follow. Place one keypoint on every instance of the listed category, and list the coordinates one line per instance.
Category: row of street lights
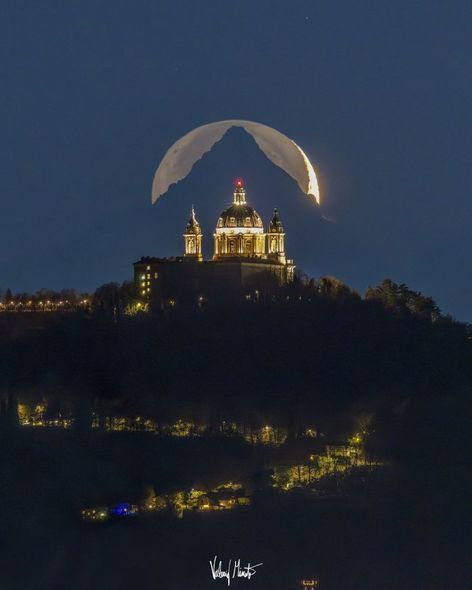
(41, 305)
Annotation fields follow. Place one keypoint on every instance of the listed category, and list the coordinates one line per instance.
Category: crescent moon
(278, 148)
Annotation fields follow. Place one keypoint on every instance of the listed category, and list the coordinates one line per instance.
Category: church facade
(246, 260)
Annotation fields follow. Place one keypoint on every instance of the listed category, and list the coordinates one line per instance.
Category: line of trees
(317, 349)
(117, 300)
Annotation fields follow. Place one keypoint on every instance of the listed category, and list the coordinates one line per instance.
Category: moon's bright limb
(282, 151)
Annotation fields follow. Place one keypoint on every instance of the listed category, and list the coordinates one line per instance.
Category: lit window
(155, 275)
(149, 276)
(143, 277)
(148, 268)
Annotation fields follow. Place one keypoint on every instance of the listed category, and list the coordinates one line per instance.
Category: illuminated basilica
(239, 233)
(246, 259)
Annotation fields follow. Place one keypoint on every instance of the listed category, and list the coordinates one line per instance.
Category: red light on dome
(239, 182)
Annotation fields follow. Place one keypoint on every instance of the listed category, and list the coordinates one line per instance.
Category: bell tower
(193, 239)
(276, 239)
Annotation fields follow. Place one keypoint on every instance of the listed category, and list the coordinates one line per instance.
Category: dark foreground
(325, 359)
(409, 530)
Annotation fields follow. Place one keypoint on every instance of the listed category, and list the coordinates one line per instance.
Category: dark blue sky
(378, 93)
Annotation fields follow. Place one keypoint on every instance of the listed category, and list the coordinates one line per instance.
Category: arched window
(232, 246)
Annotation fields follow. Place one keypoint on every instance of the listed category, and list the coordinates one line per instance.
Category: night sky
(377, 93)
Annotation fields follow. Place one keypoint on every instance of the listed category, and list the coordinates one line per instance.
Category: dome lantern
(239, 195)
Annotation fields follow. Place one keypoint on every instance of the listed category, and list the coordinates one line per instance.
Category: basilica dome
(239, 230)
(239, 217)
